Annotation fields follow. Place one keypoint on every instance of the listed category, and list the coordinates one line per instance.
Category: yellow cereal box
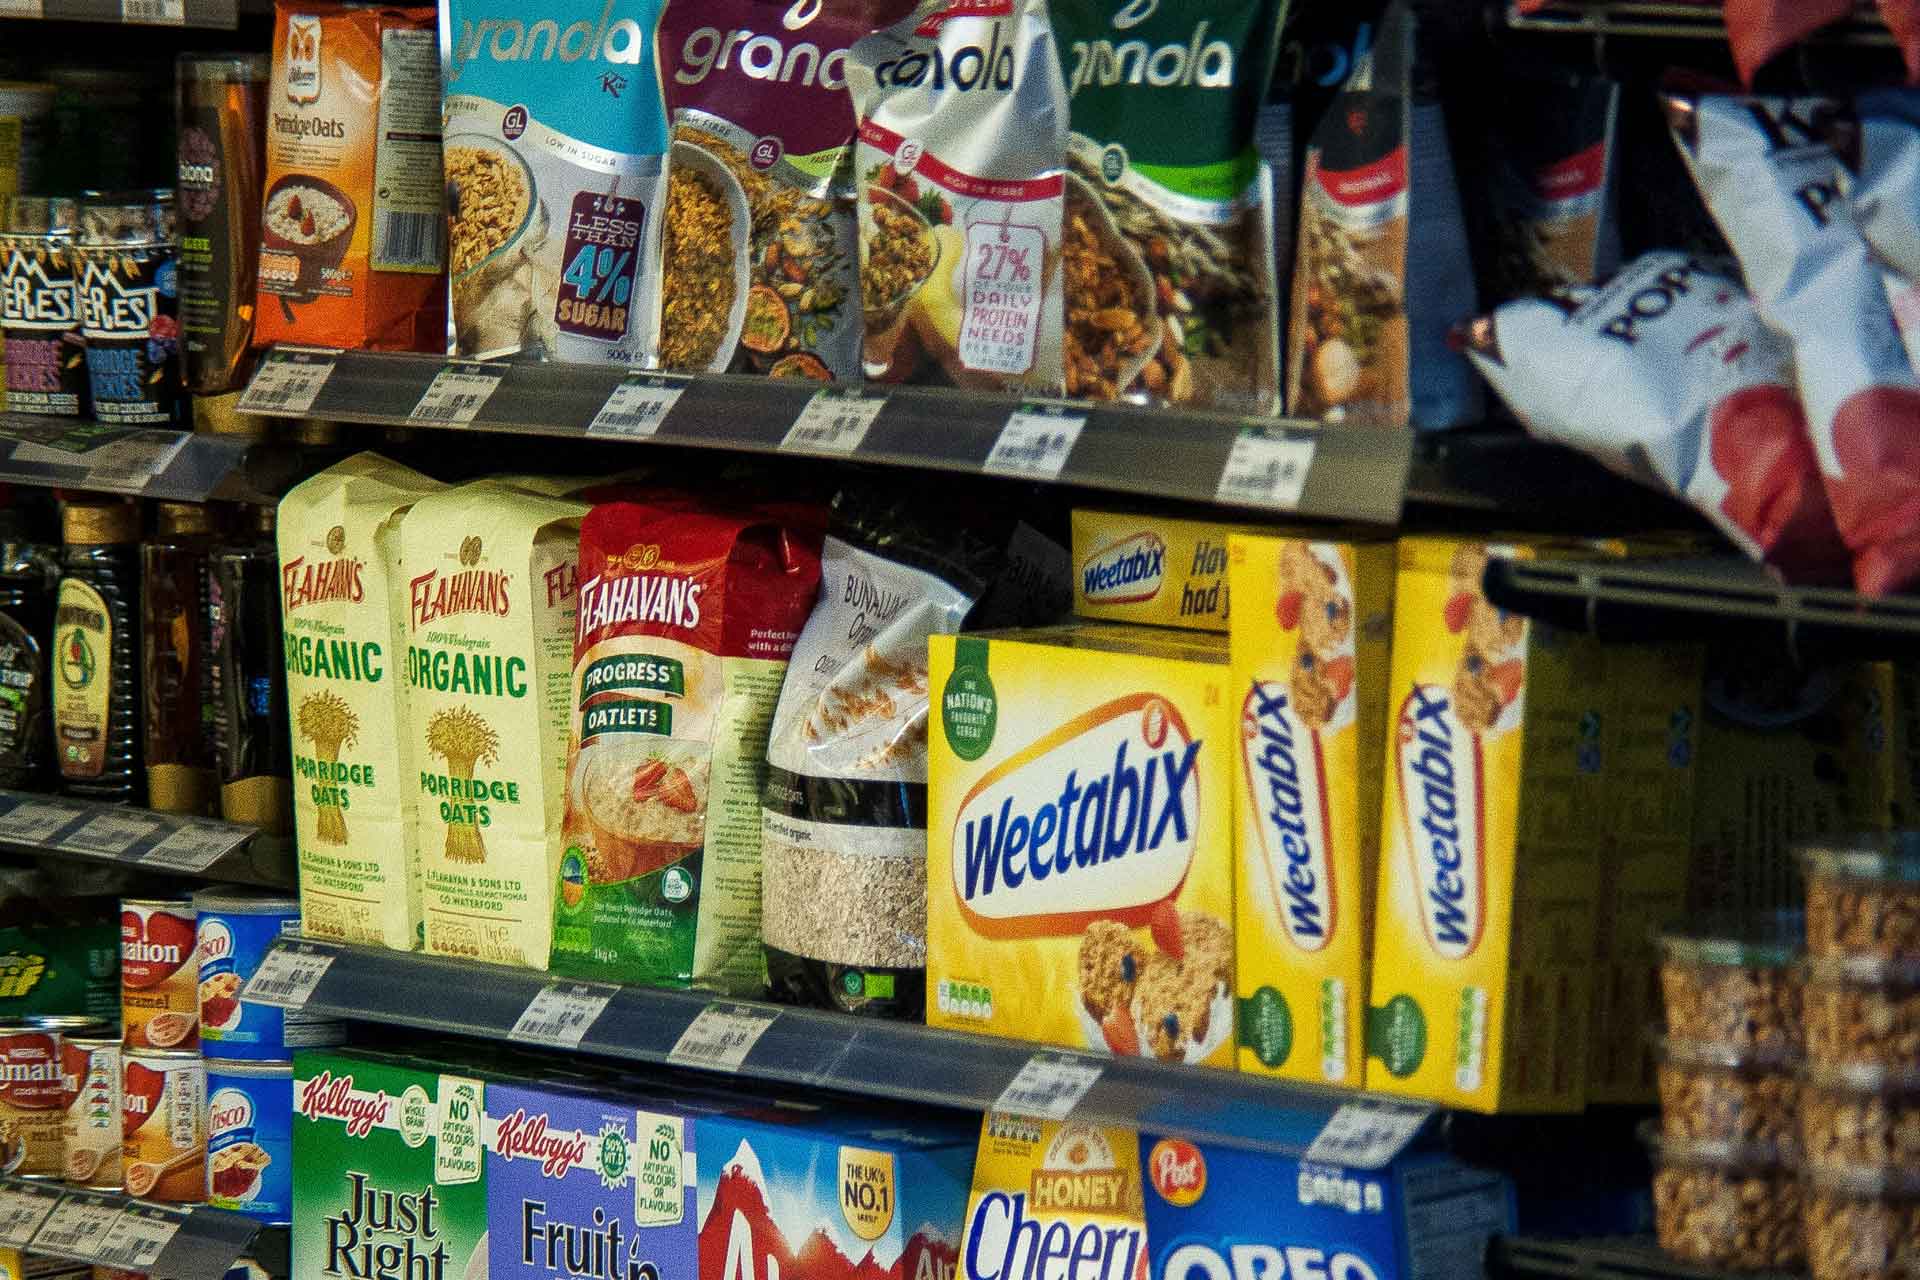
(1483, 942)
(1080, 839)
(1151, 569)
(1310, 641)
(1038, 1185)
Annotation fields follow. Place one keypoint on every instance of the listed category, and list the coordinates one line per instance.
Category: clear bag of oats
(844, 837)
(1169, 243)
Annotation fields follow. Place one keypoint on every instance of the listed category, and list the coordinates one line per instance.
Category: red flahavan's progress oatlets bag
(1772, 181)
(1699, 395)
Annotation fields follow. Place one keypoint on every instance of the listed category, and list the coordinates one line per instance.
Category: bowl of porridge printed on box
(311, 219)
(646, 806)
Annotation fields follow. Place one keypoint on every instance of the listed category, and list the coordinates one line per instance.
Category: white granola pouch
(963, 125)
(1699, 394)
(1773, 182)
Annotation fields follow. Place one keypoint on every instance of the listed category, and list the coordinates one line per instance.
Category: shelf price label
(137, 1237)
(195, 847)
(1036, 442)
(721, 1036)
(836, 420)
(638, 406)
(166, 13)
(1367, 1135)
(21, 9)
(1267, 468)
(458, 393)
(1049, 1086)
(135, 461)
(288, 975)
(111, 834)
(561, 1013)
(289, 382)
(76, 1227)
(23, 1211)
(32, 822)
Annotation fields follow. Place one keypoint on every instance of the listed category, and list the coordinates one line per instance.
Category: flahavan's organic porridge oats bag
(342, 600)
(489, 607)
(554, 141)
(687, 619)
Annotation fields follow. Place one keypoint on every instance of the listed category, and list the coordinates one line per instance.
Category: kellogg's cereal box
(1310, 644)
(786, 1195)
(1038, 1185)
(1079, 845)
(1422, 1217)
(1152, 569)
(1483, 939)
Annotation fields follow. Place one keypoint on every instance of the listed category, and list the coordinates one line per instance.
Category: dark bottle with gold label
(96, 652)
(28, 571)
(255, 757)
(176, 568)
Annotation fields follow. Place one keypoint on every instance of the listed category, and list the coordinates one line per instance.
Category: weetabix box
(1310, 644)
(1489, 867)
(1080, 840)
(1150, 569)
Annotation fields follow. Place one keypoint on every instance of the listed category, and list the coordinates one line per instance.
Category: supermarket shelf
(1506, 474)
(1656, 20)
(176, 466)
(1634, 1258)
(220, 14)
(811, 1048)
(168, 1242)
(1350, 474)
(224, 852)
(1677, 599)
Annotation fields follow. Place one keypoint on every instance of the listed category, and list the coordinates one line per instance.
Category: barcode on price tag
(637, 406)
(134, 462)
(23, 1211)
(720, 1038)
(1367, 1135)
(289, 382)
(1267, 468)
(31, 822)
(1049, 1086)
(836, 420)
(195, 847)
(21, 9)
(109, 833)
(561, 1013)
(457, 394)
(137, 1238)
(76, 1227)
(171, 13)
(1036, 442)
(288, 976)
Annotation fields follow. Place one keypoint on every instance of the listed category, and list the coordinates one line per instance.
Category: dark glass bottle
(28, 572)
(175, 574)
(254, 754)
(96, 652)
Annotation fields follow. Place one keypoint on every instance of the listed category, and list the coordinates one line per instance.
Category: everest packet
(962, 114)
(1772, 181)
(1700, 401)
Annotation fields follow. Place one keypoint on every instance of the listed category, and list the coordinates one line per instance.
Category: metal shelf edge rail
(1355, 473)
(172, 466)
(1613, 1258)
(106, 1228)
(1652, 19)
(175, 844)
(813, 1048)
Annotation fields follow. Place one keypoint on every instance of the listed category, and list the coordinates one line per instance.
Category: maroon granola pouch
(1760, 30)
(1903, 20)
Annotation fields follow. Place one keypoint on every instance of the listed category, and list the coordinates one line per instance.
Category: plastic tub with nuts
(1734, 984)
(1863, 895)
(1861, 1011)
(1722, 1093)
(1863, 1224)
(1724, 1204)
(1862, 1117)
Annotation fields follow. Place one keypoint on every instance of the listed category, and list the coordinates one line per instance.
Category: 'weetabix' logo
(1442, 791)
(1125, 572)
(1286, 777)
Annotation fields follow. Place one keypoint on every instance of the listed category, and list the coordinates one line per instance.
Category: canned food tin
(70, 1024)
(250, 1138)
(90, 1092)
(164, 1126)
(159, 994)
(235, 930)
(117, 1273)
(126, 283)
(39, 319)
(30, 1101)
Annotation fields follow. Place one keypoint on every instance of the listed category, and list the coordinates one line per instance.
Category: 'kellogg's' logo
(1286, 776)
(331, 1097)
(1125, 572)
(1442, 789)
(528, 1137)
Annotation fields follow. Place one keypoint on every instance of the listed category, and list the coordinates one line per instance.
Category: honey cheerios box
(1080, 840)
(1310, 638)
(1491, 833)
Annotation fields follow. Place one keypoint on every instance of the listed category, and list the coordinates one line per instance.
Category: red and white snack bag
(1696, 397)
(1759, 30)
(1885, 193)
(1772, 180)
(1903, 20)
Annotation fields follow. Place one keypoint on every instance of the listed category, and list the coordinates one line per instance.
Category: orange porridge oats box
(1311, 634)
(1080, 840)
(1491, 832)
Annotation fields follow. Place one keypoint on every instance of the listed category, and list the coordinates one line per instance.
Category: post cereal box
(1483, 943)
(1421, 1217)
(789, 1196)
(1080, 841)
(1310, 642)
(1151, 569)
(586, 1188)
(1046, 1191)
(387, 1170)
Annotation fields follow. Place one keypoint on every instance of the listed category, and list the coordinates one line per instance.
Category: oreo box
(1423, 1216)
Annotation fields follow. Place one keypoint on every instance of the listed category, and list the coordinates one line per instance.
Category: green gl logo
(77, 663)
